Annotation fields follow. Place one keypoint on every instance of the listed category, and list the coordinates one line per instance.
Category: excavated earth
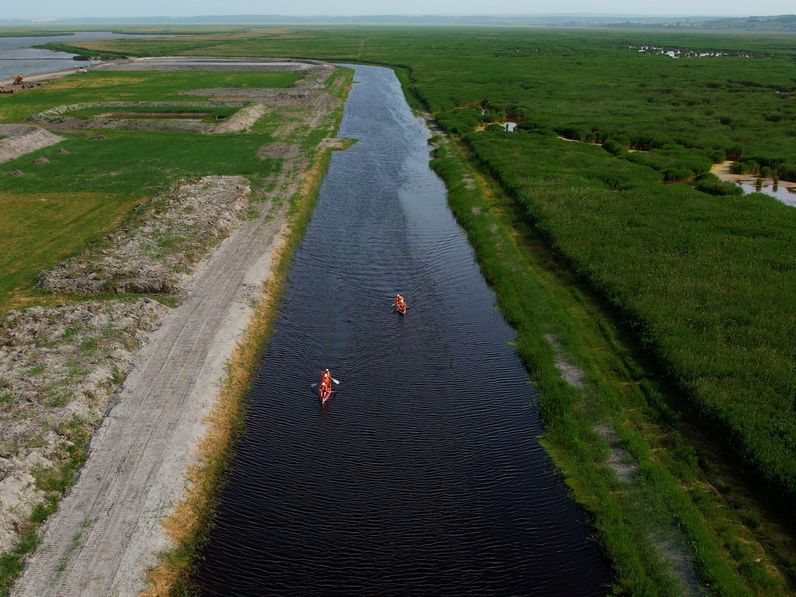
(20, 139)
(61, 118)
(58, 369)
(162, 241)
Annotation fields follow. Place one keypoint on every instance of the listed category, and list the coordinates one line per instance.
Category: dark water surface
(423, 474)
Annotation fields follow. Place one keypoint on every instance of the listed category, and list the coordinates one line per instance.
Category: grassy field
(706, 281)
(702, 281)
(55, 209)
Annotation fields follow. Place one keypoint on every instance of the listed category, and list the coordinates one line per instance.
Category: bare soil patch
(20, 139)
(619, 460)
(160, 243)
(58, 369)
(569, 372)
(279, 151)
(242, 120)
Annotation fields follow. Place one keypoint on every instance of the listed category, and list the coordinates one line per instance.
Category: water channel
(19, 57)
(423, 474)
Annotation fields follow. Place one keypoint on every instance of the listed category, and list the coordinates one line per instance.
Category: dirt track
(107, 531)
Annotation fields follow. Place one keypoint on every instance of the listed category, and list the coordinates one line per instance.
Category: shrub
(707, 183)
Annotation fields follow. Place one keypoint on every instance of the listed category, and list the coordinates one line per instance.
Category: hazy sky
(42, 9)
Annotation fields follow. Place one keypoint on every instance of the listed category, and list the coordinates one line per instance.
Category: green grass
(98, 86)
(668, 495)
(57, 209)
(701, 280)
(39, 230)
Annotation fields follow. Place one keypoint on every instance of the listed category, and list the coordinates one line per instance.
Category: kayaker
(400, 304)
(326, 377)
(323, 387)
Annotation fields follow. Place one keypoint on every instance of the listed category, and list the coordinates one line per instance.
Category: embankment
(138, 459)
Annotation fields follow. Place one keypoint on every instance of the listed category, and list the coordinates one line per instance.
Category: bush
(613, 147)
(707, 183)
(677, 175)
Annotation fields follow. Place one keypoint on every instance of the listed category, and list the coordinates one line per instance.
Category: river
(19, 57)
(423, 474)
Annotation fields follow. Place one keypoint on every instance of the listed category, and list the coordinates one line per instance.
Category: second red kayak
(400, 305)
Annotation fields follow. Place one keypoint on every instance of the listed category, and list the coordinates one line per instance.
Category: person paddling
(400, 304)
(326, 377)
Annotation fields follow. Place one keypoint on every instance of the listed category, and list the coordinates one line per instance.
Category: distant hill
(774, 23)
(779, 23)
(766, 23)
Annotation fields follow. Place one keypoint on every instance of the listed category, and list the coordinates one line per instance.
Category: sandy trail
(107, 532)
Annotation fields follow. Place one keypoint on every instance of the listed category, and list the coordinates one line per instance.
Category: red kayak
(324, 389)
(324, 392)
(400, 307)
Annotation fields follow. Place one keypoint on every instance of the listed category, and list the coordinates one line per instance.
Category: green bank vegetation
(661, 509)
(93, 178)
(702, 279)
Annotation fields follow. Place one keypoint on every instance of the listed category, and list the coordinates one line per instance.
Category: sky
(43, 9)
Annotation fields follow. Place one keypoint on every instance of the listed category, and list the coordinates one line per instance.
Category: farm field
(90, 181)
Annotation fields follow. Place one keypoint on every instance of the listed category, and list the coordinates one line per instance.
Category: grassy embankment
(704, 283)
(56, 209)
(666, 505)
(189, 525)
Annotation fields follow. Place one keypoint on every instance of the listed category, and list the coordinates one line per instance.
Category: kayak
(324, 394)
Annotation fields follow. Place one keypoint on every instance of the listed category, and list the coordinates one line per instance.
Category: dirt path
(107, 531)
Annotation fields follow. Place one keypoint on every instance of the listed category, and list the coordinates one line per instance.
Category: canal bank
(424, 472)
(647, 474)
(107, 530)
